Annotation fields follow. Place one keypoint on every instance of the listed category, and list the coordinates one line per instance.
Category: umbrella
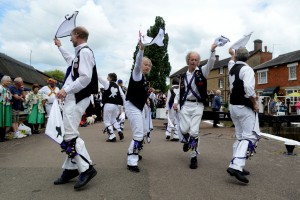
(294, 94)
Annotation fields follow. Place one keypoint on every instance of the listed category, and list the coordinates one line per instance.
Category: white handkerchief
(221, 41)
(241, 42)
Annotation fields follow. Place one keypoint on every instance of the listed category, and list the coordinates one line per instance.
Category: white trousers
(72, 114)
(110, 114)
(136, 121)
(48, 109)
(190, 118)
(244, 121)
(172, 124)
(148, 125)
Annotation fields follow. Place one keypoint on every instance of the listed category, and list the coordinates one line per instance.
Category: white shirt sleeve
(66, 55)
(209, 65)
(137, 71)
(103, 82)
(247, 75)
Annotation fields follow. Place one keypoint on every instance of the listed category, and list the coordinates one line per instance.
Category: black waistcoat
(201, 84)
(112, 95)
(92, 87)
(137, 92)
(237, 95)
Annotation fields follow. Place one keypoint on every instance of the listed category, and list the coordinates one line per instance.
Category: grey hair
(242, 54)
(18, 80)
(5, 78)
(188, 57)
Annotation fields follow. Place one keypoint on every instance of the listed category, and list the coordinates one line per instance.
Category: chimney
(257, 44)
(266, 50)
(217, 58)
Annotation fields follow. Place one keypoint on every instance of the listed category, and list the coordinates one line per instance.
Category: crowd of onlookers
(22, 110)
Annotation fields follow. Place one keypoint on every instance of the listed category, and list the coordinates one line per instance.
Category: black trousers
(2, 132)
(216, 116)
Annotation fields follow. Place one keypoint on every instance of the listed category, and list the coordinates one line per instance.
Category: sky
(27, 28)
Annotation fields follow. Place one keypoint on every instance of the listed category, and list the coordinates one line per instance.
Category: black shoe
(112, 140)
(185, 147)
(174, 139)
(238, 175)
(216, 126)
(85, 177)
(194, 163)
(168, 137)
(2, 140)
(245, 172)
(66, 176)
(133, 168)
(140, 157)
(121, 135)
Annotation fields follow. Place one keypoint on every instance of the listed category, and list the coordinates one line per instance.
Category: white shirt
(87, 62)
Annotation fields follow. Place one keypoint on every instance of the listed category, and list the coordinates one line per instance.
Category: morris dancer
(80, 82)
(243, 108)
(172, 120)
(113, 96)
(148, 125)
(192, 98)
(134, 106)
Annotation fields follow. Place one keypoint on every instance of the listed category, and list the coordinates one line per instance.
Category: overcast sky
(27, 28)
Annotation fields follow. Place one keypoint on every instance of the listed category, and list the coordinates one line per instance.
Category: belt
(193, 100)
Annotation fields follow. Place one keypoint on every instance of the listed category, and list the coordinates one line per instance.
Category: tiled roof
(280, 60)
(14, 68)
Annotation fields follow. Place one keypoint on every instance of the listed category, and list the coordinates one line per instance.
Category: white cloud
(30, 25)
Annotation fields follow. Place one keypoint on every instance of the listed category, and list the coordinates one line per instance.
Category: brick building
(280, 75)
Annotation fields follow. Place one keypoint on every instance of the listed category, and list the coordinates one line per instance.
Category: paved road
(29, 166)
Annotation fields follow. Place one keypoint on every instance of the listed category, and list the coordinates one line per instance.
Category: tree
(161, 67)
(57, 74)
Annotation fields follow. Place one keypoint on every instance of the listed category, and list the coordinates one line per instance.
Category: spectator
(5, 107)
(216, 106)
(17, 99)
(35, 108)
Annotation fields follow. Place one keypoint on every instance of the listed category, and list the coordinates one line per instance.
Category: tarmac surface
(29, 166)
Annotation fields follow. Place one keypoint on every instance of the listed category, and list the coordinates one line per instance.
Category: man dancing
(192, 97)
(80, 82)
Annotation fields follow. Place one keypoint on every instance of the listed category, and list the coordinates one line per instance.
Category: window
(262, 76)
(292, 71)
(221, 70)
(220, 83)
